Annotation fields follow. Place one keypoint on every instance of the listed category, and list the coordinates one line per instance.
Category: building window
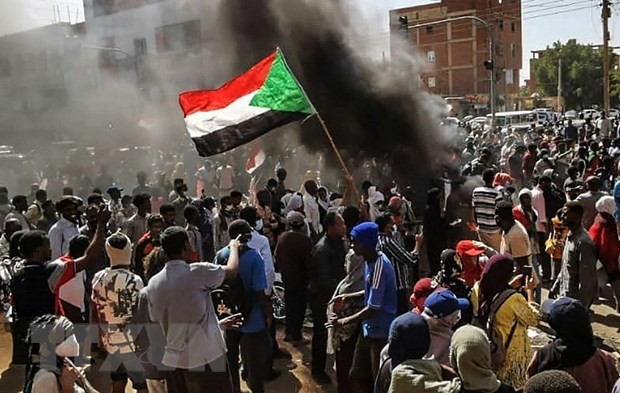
(501, 24)
(509, 76)
(430, 56)
(432, 82)
(513, 27)
(513, 50)
(417, 15)
(139, 46)
(179, 37)
(429, 29)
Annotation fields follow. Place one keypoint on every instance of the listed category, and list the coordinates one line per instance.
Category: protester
(49, 217)
(470, 357)
(137, 224)
(147, 244)
(10, 227)
(577, 278)
(325, 272)
(344, 338)
(34, 287)
(191, 215)
(66, 228)
(180, 295)
(141, 186)
(115, 292)
(484, 200)
(20, 206)
(293, 255)
(588, 200)
(574, 350)
(380, 298)
(552, 382)
(421, 291)
(35, 210)
(252, 339)
(507, 315)
(442, 311)
(405, 264)
(405, 370)
(604, 234)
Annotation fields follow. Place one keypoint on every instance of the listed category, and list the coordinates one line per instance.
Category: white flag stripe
(202, 123)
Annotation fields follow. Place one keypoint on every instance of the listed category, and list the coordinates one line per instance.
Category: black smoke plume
(370, 106)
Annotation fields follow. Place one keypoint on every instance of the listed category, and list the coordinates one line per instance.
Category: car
(590, 113)
(570, 115)
(614, 113)
(478, 122)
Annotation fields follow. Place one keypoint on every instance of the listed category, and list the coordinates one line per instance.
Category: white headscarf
(606, 205)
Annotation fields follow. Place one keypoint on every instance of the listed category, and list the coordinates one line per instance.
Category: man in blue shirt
(380, 298)
(253, 336)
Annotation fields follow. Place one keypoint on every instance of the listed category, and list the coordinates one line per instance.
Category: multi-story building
(455, 51)
(114, 77)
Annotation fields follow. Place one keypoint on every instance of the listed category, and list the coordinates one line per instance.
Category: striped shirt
(403, 262)
(484, 199)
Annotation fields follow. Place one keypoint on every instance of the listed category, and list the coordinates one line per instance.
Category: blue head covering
(366, 233)
(409, 338)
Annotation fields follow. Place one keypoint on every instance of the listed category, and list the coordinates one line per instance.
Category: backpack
(231, 297)
(498, 349)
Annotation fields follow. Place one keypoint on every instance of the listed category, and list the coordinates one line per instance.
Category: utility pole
(606, 15)
(489, 64)
(559, 85)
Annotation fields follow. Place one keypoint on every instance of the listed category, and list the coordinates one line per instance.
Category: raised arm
(232, 266)
(96, 245)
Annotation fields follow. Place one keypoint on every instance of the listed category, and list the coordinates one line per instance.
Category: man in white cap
(115, 291)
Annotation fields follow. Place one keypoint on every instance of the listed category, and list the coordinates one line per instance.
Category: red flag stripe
(244, 84)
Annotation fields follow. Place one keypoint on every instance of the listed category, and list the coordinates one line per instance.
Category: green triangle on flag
(281, 92)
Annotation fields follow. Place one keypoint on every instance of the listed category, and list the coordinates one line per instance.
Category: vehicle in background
(480, 122)
(570, 115)
(520, 118)
(590, 114)
(614, 113)
(452, 121)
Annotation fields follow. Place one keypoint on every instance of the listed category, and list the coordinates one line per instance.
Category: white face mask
(68, 348)
(259, 225)
(337, 202)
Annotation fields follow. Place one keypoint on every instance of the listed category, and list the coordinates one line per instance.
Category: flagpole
(345, 169)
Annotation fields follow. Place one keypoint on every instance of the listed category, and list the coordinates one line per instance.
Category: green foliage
(582, 74)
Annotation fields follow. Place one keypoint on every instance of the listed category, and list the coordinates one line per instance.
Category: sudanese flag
(264, 98)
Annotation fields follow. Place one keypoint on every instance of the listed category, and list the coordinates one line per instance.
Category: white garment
(311, 210)
(225, 176)
(60, 234)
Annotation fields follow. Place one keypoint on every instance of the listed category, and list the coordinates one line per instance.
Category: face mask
(259, 225)
(228, 209)
(394, 228)
(337, 202)
(68, 348)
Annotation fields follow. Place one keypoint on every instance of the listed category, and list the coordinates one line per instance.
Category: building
(114, 78)
(454, 52)
(42, 73)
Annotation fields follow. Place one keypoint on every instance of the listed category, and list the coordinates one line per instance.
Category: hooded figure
(375, 200)
(574, 350)
(408, 342)
(470, 356)
(442, 311)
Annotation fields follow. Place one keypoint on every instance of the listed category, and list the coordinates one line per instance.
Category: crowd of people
(179, 284)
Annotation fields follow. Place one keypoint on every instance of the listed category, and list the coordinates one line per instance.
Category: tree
(582, 74)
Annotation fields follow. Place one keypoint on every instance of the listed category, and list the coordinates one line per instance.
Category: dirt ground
(295, 372)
